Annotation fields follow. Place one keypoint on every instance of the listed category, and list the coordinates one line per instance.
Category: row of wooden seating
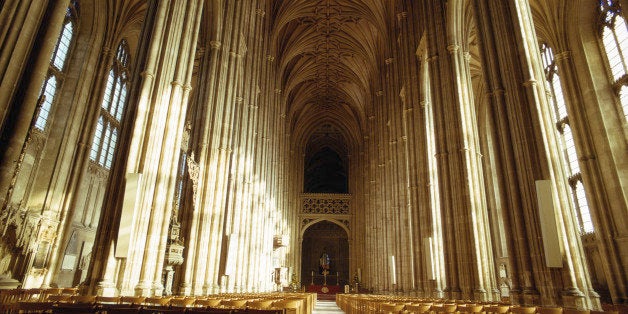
(355, 303)
(47, 307)
(267, 303)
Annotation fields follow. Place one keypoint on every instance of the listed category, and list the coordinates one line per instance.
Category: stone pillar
(21, 84)
(160, 100)
(462, 204)
(521, 112)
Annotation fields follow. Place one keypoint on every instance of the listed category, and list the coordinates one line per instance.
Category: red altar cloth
(328, 289)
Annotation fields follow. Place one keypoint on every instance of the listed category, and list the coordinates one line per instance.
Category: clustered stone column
(463, 206)
(513, 83)
(161, 97)
(18, 95)
(237, 136)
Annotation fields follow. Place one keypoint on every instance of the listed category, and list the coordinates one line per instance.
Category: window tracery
(58, 60)
(112, 108)
(566, 140)
(614, 37)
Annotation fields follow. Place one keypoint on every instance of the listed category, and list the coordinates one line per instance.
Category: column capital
(563, 55)
(528, 83)
(453, 48)
(215, 44)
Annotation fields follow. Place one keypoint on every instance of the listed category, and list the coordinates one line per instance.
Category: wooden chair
(604, 312)
(418, 308)
(233, 304)
(90, 299)
(157, 301)
(573, 311)
(119, 308)
(289, 306)
(444, 307)
(82, 308)
(255, 311)
(69, 291)
(182, 302)
(214, 303)
(34, 307)
(107, 300)
(161, 310)
(470, 308)
(208, 311)
(132, 300)
(259, 304)
(549, 310)
(59, 298)
(523, 309)
(497, 309)
(388, 308)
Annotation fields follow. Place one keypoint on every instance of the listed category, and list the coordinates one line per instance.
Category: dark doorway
(325, 247)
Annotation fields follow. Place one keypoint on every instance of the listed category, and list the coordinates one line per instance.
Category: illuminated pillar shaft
(521, 112)
(195, 265)
(246, 256)
(169, 44)
(21, 21)
(163, 103)
(413, 137)
(593, 178)
(461, 199)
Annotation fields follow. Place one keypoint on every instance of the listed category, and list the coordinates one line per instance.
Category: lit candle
(312, 273)
(337, 274)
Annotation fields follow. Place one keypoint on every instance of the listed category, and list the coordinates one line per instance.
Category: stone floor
(325, 307)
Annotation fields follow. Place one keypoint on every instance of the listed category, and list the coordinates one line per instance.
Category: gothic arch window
(111, 109)
(566, 140)
(55, 76)
(614, 36)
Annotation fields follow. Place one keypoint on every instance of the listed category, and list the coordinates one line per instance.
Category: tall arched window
(567, 144)
(111, 110)
(614, 34)
(57, 64)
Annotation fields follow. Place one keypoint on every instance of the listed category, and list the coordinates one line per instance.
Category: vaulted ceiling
(327, 52)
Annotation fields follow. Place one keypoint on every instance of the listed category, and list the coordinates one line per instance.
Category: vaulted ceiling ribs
(326, 51)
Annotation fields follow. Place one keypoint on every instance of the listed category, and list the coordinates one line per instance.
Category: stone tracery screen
(326, 204)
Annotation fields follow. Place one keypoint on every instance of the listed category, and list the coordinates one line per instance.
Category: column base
(143, 289)
(185, 289)
(480, 294)
(530, 297)
(106, 289)
(7, 282)
(157, 289)
(573, 298)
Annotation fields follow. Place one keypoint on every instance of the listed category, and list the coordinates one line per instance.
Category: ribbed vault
(326, 52)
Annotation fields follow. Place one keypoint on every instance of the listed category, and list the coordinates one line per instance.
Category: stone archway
(325, 237)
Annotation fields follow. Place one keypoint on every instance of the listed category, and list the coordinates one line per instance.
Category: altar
(329, 289)
(322, 280)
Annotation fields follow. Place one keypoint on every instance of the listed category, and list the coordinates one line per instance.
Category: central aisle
(324, 307)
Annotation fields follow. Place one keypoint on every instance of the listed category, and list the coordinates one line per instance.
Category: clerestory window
(566, 140)
(55, 76)
(614, 36)
(111, 109)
